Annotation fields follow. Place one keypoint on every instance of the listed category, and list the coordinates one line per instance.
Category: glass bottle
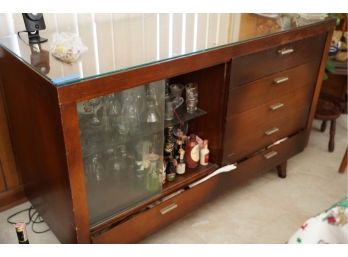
(192, 152)
(180, 169)
(204, 154)
(152, 181)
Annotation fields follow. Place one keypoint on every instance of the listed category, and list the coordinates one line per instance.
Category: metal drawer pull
(169, 208)
(271, 131)
(280, 80)
(270, 155)
(276, 106)
(285, 51)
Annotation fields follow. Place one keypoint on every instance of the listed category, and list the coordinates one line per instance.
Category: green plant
(330, 67)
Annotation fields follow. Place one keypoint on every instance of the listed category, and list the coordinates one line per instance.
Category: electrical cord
(33, 217)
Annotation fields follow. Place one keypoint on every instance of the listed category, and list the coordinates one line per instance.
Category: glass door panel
(122, 144)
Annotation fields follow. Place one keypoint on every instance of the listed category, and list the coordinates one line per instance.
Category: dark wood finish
(247, 96)
(149, 221)
(343, 165)
(335, 87)
(332, 136)
(71, 134)
(246, 132)
(45, 133)
(13, 197)
(11, 191)
(252, 67)
(318, 85)
(36, 134)
(2, 180)
(323, 126)
(281, 168)
(328, 110)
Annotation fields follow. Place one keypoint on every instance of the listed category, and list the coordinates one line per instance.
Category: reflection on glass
(121, 151)
(117, 42)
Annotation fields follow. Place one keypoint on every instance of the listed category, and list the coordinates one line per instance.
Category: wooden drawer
(250, 95)
(259, 127)
(273, 156)
(254, 66)
(147, 222)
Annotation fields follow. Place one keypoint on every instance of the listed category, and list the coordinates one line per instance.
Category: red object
(192, 152)
(303, 227)
(331, 220)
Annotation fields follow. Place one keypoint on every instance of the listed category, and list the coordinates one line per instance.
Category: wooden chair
(328, 110)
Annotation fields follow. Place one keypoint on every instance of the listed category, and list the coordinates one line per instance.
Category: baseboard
(12, 198)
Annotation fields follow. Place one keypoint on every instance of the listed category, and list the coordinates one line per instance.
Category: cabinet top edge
(120, 44)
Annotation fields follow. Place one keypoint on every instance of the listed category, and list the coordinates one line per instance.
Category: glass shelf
(184, 117)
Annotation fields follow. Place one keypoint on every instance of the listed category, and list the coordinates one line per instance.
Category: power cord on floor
(33, 218)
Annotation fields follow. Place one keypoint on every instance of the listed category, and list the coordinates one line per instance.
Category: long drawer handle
(276, 106)
(280, 80)
(285, 51)
(270, 155)
(169, 208)
(271, 131)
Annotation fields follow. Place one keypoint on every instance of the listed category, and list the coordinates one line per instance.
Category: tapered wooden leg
(281, 168)
(343, 165)
(332, 136)
(323, 126)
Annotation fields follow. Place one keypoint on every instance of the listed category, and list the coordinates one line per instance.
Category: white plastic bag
(67, 47)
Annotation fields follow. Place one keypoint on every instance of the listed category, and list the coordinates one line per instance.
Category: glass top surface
(117, 42)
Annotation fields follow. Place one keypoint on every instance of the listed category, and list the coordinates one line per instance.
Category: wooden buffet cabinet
(259, 94)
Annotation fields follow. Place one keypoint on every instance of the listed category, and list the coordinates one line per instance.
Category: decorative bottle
(192, 152)
(204, 154)
(180, 169)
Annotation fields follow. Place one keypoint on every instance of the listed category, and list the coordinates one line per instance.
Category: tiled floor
(266, 210)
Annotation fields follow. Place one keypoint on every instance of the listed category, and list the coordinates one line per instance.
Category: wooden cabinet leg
(281, 168)
(323, 126)
(332, 136)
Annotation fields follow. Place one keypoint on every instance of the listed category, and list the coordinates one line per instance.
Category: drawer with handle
(254, 129)
(300, 78)
(254, 66)
(148, 221)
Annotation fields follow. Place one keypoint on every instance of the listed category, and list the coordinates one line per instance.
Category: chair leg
(323, 126)
(281, 168)
(344, 163)
(332, 136)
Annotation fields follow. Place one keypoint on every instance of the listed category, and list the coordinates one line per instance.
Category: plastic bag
(67, 47)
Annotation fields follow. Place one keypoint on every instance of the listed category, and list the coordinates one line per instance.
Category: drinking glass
(96, 104)
(95, 169)
(169, 108)
(191, 97)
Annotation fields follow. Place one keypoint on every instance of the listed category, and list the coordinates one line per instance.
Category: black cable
(15, 214)
(34, 218)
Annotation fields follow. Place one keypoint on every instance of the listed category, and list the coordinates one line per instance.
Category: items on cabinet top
(135, 40)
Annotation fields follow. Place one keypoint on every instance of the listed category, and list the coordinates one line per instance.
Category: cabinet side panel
(36, 134)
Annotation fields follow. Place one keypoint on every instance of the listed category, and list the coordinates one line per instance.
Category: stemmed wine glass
(96, 104)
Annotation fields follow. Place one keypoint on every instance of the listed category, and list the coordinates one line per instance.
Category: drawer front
(251, 95)
(273, 156)
(247, 132)
(254, 66)
(147, 222)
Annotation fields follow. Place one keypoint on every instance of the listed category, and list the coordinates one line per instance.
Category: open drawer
(150, 220)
